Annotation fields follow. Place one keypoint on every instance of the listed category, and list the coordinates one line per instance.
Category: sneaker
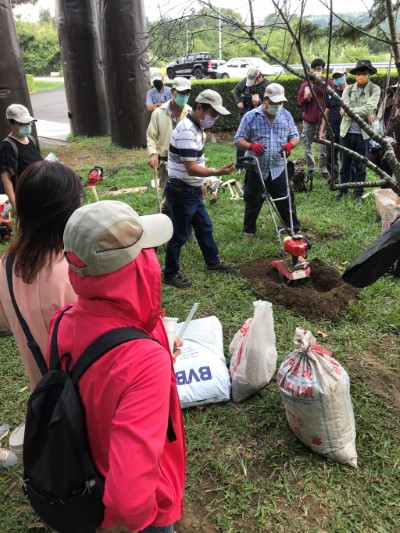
(247, 237)
(4, 431)
(192, 237)
(5, 333)
(340, 195)
(326, 176)
(222, 267)
(177, 280)
(7, 458)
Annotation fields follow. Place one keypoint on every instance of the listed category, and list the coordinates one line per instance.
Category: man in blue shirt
(266, 131)
(159, 93)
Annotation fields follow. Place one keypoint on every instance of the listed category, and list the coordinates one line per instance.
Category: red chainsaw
(296, 245)
(96, 175)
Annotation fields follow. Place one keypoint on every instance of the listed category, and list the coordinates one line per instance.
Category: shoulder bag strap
(34, 348)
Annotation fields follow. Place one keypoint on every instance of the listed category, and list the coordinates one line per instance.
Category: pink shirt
(37, 301)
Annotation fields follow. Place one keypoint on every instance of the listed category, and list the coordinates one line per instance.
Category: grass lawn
(42, 85)
(247, 472)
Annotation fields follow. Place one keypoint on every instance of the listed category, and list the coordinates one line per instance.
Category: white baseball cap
(275, 92)
(252, 75)
(181, 84)
(19, 113)
(339, 70)
(108, 235)
(214, 99)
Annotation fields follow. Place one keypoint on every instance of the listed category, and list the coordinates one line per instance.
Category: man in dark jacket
(334, 118)
(311, 118)
(249, 94)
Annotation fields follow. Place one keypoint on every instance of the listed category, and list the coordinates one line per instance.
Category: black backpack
(60, 479)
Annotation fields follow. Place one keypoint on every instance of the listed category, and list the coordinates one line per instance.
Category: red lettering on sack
(317, 441)
(307, 373)
(294, 422)
(305, 392)
(336, 367)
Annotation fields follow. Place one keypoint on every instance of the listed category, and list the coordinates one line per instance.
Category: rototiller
(295, 245)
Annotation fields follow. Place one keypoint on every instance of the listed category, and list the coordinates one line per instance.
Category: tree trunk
(126, 70)
(81, 55)
(13, 86)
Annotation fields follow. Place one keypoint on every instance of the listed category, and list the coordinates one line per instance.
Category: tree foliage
(40, 46)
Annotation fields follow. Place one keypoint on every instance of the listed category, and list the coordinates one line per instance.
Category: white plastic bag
(201, 372)
(254, 353)
(315, 390)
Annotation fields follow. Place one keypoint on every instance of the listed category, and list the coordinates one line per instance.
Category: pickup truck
(197, 64)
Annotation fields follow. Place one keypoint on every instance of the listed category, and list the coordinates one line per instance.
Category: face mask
(158, 84)
(362, 79)
(274, 109)
(25, 130)
(208, 122)
(339, 81)
(181, 99)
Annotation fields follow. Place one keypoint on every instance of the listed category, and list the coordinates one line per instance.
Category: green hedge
(291, 83)
(30, 83)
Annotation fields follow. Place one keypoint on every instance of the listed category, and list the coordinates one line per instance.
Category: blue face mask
(339, 81)
(274, 109)
(24, 131)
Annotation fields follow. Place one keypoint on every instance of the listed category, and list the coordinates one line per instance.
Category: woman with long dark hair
(46, 195)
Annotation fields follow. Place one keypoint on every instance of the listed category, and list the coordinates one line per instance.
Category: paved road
(50, 105)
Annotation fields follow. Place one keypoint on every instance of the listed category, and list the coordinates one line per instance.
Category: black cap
(363, 64)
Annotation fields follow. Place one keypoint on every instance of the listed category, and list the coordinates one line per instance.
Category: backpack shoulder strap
(103, 344)
(32, 138)
(34, 348)
(13, 144)
(54, 360)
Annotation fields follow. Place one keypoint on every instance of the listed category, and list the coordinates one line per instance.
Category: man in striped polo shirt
(185, 190)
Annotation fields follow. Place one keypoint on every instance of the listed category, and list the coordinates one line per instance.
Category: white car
(238, 67)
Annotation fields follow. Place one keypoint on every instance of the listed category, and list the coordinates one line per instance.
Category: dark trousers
(187, 207)
(355, 142)
(333, 157)
(254, 199)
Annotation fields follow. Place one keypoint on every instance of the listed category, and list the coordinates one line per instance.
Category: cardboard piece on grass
(201, 373)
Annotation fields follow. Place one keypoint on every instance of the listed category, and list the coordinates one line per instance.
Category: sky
(175, 7)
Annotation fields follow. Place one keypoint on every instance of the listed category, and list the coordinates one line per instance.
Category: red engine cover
(295, 247)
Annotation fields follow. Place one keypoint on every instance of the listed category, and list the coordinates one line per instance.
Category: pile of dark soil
(323, 294)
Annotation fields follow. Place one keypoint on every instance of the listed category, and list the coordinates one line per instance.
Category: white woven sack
(315, 390)
(201, 373)
(254, 355)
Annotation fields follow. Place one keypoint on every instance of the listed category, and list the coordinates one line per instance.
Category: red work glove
(287, 148)
(257, 149)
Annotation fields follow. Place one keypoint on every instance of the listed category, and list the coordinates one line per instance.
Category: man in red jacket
(133, 416)
(313, 101)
